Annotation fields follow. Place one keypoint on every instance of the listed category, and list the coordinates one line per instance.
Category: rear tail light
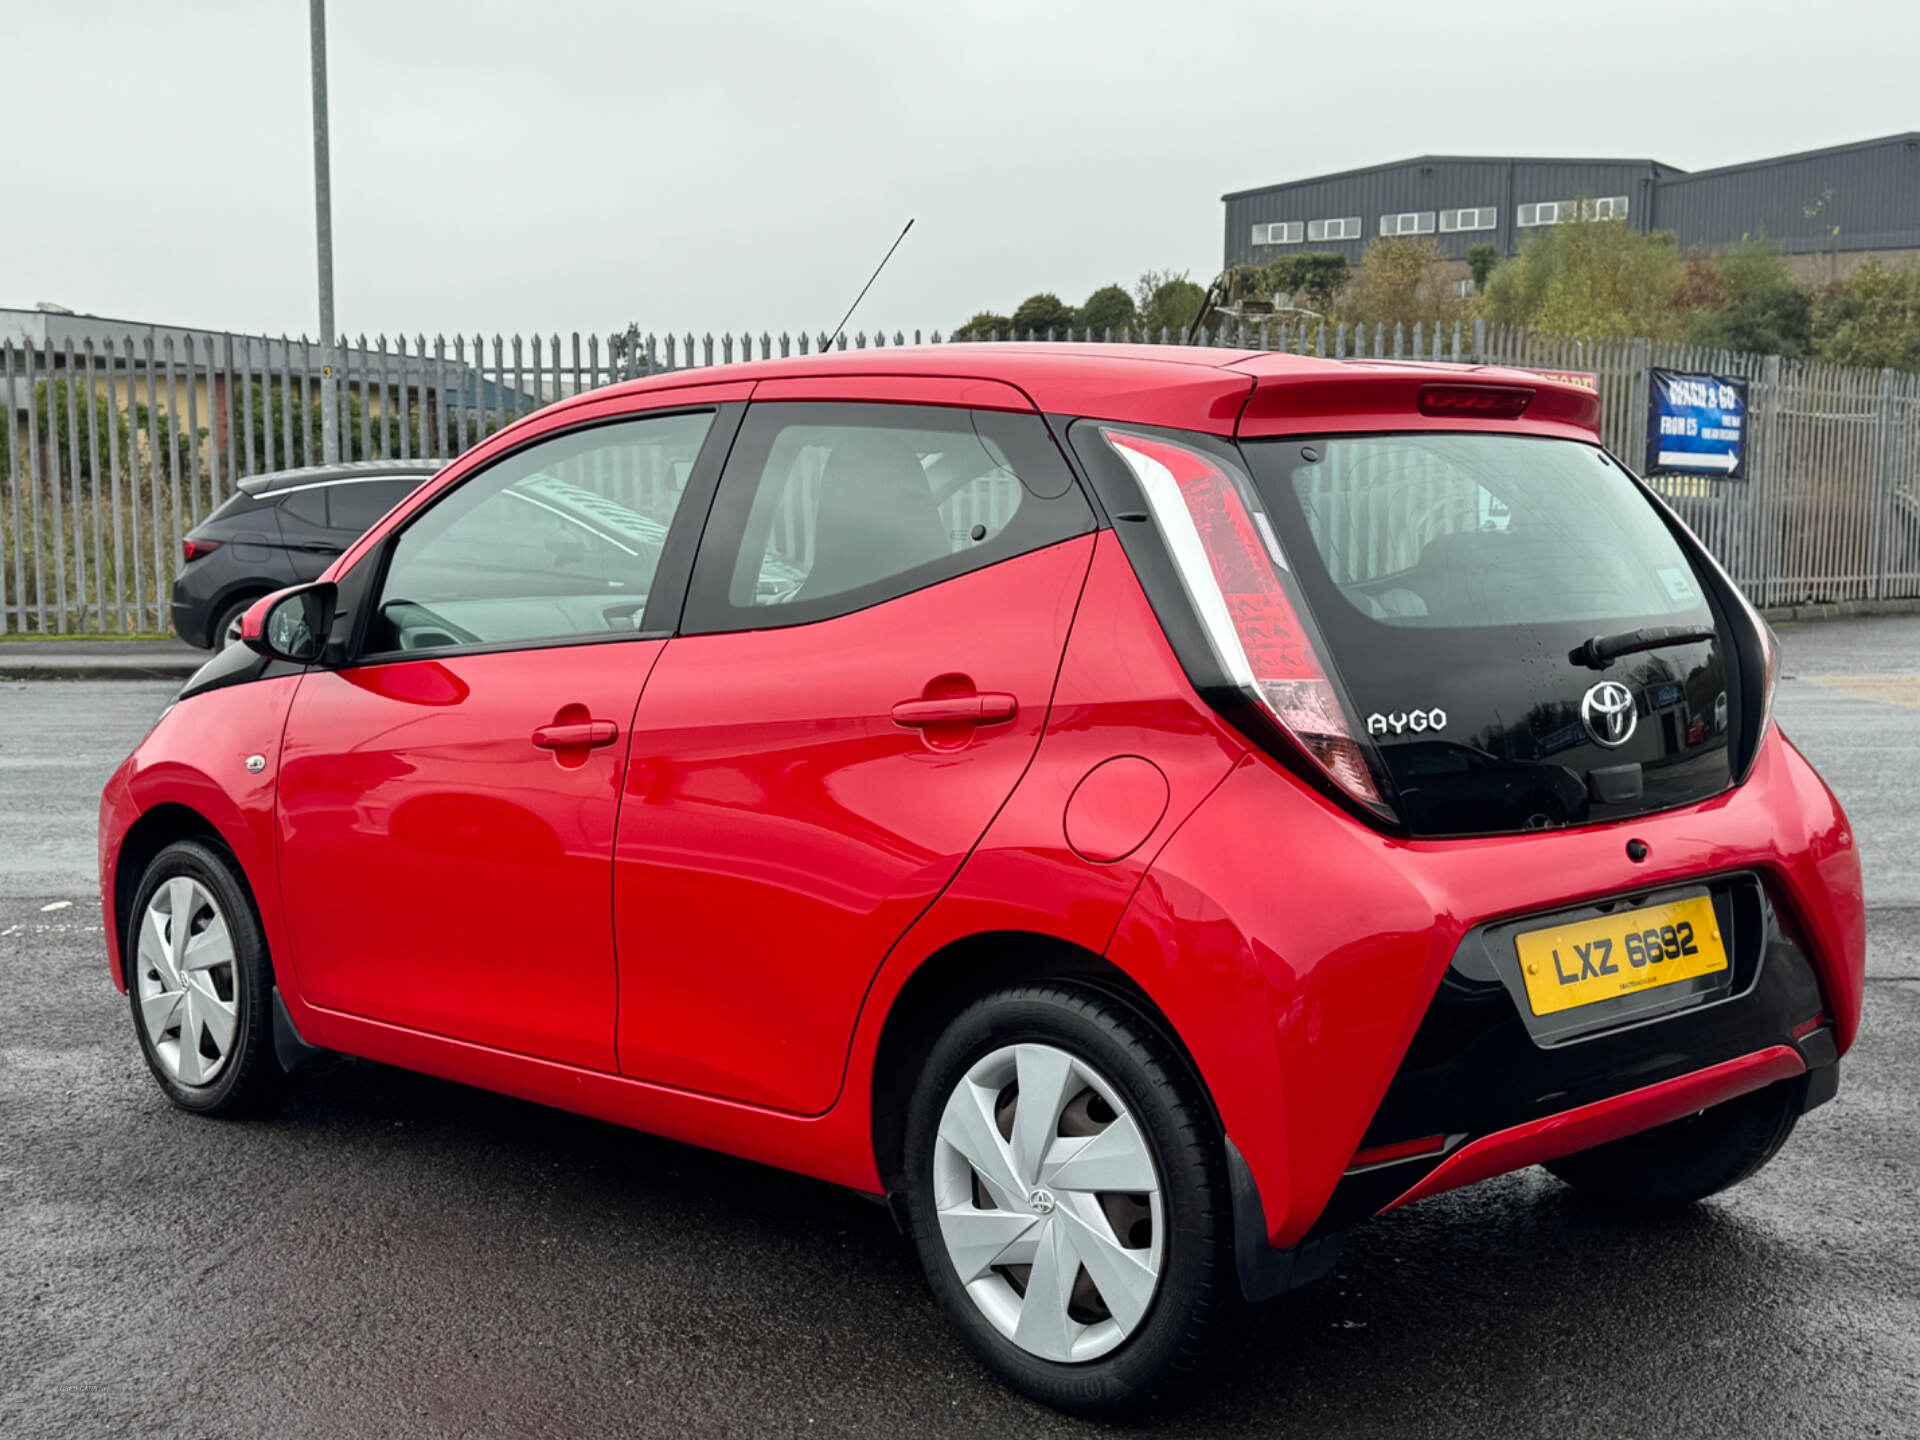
(191, 550)
(1237, 577)
(1481, 402)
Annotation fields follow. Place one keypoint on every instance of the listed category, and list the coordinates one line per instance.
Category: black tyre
(226, 624)
(1690, 1159)
(1067, 1191)
(200, 983)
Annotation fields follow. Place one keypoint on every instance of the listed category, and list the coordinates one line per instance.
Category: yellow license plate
(1595, 960)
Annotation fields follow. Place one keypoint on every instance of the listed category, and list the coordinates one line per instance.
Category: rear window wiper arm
(1602, 650)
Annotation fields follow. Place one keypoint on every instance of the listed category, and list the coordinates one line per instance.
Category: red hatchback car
(1139, 811)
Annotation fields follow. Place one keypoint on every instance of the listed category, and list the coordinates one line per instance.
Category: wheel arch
(154, 830)
(953, 977)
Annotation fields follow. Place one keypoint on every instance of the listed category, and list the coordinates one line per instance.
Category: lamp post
(323, 233)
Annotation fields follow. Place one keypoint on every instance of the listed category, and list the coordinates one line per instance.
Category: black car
(278, 530)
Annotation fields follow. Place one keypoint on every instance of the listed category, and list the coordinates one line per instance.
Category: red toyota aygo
(1139, 812)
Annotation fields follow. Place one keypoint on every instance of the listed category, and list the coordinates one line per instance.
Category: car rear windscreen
(1454, 576)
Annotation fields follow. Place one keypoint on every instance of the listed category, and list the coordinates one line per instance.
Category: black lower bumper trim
(1477, 1065)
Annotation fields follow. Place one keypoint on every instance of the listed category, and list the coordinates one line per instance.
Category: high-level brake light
(1236, 574)
(1478, 402)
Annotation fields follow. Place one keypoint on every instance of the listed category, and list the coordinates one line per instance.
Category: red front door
(445, 832)
(447, 805)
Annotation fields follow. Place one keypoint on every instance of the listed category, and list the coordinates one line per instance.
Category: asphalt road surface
(393, 1255)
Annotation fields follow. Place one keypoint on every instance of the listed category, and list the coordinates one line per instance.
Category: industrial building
(1825, 209)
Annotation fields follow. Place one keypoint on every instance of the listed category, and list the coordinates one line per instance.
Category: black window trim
(670, 577)
(708, 608)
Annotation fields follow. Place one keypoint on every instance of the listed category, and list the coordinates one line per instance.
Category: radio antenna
(866, 287)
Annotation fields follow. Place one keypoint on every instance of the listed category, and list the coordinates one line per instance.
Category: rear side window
(826, 509)
(308, 503)
(1463, 530)
(355, 504)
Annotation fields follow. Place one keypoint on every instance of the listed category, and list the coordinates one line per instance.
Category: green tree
(983, 325)
(1481, 260)
(1757, 306)
(1402, 282)
(1590, 277)
(1169, 301)
(1313, 280)
(1872, 317)
(1040, 313)
(1108, 308)
(145, 438)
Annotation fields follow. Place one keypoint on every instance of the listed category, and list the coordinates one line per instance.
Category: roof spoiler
(1364, 396)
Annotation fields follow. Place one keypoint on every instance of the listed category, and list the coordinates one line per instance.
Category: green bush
(1313, 280)
(1872, 317)
(1167, 300)
(1040, 313)
(1108, 308)
(984, 325)
(1756, 305)
(143, 434)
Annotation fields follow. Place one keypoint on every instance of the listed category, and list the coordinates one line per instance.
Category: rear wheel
(1068, 1196)
(1690, 1159)
(225, 629)
(201, 984)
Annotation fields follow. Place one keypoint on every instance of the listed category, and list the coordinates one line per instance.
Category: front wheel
(201, 984)
(1689, 1159)
(1068, 1195)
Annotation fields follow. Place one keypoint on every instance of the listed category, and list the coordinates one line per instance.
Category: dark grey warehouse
(1822, 208)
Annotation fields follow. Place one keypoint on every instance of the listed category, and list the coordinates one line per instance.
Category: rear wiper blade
(1602, 650)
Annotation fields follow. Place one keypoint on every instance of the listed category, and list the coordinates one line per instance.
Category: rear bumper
(189, 619)
(1300, 957)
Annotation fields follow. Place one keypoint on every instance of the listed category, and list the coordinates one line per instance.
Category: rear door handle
(318, 547)
(988, 709)
(591, 733)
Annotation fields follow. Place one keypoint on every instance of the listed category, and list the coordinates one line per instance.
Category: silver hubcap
(187, 988)
(1049, 1203)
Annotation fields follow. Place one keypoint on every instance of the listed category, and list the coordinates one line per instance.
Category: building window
(1547, 212)
(1343, 229)
(1280, 232)
(1483, 218)
(1613, 207)
(1413, 222)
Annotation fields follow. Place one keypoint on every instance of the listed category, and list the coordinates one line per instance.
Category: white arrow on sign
(1691, 460)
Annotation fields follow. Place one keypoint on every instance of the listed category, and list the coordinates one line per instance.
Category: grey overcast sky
(546, 165)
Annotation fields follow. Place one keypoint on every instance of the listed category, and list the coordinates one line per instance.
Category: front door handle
(988, 709)
(591, 733)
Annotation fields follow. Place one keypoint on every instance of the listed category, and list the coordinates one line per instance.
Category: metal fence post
(1883, 436)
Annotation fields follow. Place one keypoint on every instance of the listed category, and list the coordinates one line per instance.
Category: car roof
(1185, 386)
(277, 480)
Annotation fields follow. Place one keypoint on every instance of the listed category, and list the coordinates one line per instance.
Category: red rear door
(872, 635)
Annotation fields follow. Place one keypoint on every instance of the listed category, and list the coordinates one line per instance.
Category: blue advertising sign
(1696, 425)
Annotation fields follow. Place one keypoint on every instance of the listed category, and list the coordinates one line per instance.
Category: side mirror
(290, 625)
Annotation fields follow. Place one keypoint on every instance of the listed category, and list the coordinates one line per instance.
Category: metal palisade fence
(115, 447)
